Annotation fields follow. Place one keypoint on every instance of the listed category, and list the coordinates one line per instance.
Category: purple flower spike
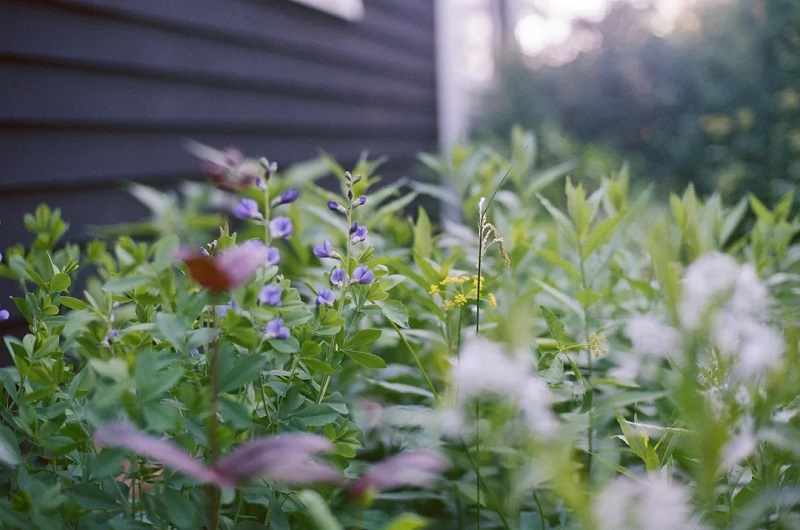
(276, 330)
(325, 298)
(281, 227)
(325, 250)
(247, 209)
(335, 207)
(4, 314)
(363, 275)
(358, 233)
(273, 256)
(285, 458)
(360, 201)
(338, 277)
(287, 197)
(412, 468)
(271, 295)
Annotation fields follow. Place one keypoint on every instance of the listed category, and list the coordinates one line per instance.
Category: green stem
(267, 214)
(340, 306)
(542, 522)
(212, 426)
(590, 378)
(416, 360)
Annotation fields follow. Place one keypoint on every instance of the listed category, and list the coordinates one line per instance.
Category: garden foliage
(559, 354)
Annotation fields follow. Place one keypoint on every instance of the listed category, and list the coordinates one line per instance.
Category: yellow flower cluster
(460, 295)
(597, 344)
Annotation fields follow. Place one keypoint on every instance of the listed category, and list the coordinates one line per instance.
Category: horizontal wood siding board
(76, 40)
(39, 157)
(420, 13)
(273, 25)
(41, 93)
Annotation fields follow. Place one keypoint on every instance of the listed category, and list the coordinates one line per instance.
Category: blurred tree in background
(716, 101)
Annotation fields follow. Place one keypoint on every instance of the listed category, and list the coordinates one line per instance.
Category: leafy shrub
(592, 359)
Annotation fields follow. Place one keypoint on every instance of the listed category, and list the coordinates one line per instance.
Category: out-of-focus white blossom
(651, 337)
(737, 325)
(651, 503)
(483, 368)
(708, 278)
(754, 346)
(739, 446)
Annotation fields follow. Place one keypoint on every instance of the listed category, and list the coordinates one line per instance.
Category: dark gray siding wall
(97, 92)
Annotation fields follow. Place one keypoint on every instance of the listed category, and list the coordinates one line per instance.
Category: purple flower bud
(360, 201)
(325, 250)
(335, 207)
(276, 330)
(338, 277)
(358, 233)
(281, 227)
(350, 194)
(363, 275)
(222, 310)
(357, 179)
(112, 334)
(269, 167)
(325, 298)
(270, 295)
(247, 209)
(4, 314)
(288, 196)
(273, 256)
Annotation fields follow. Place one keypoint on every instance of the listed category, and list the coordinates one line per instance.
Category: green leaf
(244, 370)
(318, 510)
(310, 349)
(121, 284)
(558, 261)
(588, 297)
(9, 450)
(73, 303)
(423, 231)
(115, 369)
(91, 497)
(555, 326)
(363, 338)
(317, 415)
(600, 235)
(557, 214)
(318, 365)
(60, 282)
(367, 360)
(173, 328)
(639, 442)
(164, 252)
(395, 312)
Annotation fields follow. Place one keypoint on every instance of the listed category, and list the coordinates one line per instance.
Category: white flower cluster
(732, 301)
(652, 503)
(483, 368)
